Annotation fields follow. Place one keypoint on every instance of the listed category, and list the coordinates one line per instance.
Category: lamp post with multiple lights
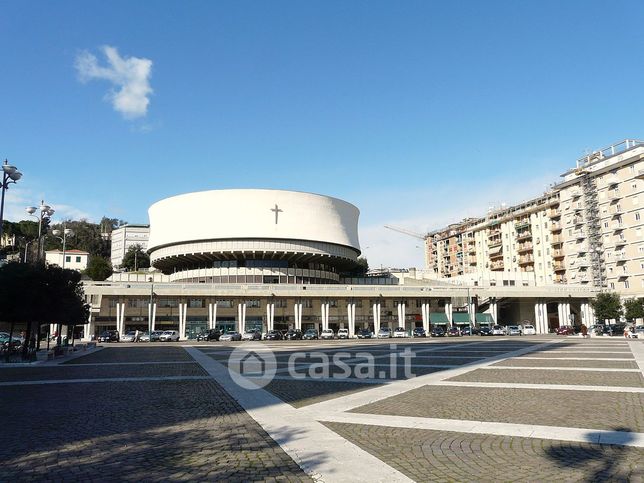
(10, 174)
(65, 232)
(45, 212)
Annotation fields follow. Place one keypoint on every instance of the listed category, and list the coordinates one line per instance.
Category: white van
(343, 333)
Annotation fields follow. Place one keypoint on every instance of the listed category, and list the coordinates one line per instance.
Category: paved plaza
(463, 409)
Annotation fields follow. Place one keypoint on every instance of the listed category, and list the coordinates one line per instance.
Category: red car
(565, 330)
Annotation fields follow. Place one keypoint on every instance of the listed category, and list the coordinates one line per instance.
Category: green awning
(460, 317)
(484, 318)
(438, 318)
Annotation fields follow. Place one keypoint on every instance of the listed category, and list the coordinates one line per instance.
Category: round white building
(253, 236)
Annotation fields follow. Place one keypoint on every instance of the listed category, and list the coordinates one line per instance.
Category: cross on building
(277, 212)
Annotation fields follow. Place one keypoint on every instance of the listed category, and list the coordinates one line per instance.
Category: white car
(384, 333)
(343, 333)
(252, 335)
(327, 334)
(498, 330)
(169, 336)
(514, 330)
(529, 330)
(400, 332)
(638, 333)
(128, 337)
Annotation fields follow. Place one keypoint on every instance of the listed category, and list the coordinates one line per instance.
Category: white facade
(74, 259)
(125, 237)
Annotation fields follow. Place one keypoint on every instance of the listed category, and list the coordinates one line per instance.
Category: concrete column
(154, 314)
(298, 315)
(322, 315)
(448, 311)
(401, 317)
(120, 326)
(494, 310)
(241, 317)
(544, 317)
(183, 312)
(326, 315)
(425, 313)
(376, 317)
(560, 313)
(351, 315)
(88, 330)
(270, 316)
(118, 319)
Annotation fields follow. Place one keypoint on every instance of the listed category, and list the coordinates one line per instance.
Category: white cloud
(18, 198)
(130, 77)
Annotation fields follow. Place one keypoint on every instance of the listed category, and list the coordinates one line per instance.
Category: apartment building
(126, 236)
(586, 230)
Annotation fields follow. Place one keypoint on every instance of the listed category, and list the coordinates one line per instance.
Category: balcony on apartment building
(522, 223)
(559, 267)
(575, 193)
(524, 235)
(620, 257)
(619, 241)
(497, 265)
(616, 210)
(640, 174)
(555, 226)
(614, 195)
(496, 254)
(556, 240)
(471, 260)
(558, 254)
(525, 260)
(578, 220)
(554, 212)
(493, 232)
(524, 247)
(560, 279)
(579, 235)
(611, 179)
(494, 243)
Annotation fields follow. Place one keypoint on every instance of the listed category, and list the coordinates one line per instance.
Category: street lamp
(45, 212)
(10, 174)
(65, 232)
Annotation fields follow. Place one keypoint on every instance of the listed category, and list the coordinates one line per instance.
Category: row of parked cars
(132, 336)
(611, 330)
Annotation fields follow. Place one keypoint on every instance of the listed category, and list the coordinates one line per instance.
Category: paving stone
(520, 362)
(303, 393)
(426, 455)
(63, 372)
(536, 376)
(522, 406)
(134, 354)
(143, 431)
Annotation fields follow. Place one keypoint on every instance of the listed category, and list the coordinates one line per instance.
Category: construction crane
(407, 232)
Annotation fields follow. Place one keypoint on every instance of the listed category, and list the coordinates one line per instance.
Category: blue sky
(420, 113)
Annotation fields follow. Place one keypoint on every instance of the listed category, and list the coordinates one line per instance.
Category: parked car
(485, 330)
(252, 334)
(365, 334)
(438, 331)
(343, 333)
(128, 336)
(419, 332)
(384, 333)
(453, 332)
(273, 335)
(230, 336)
(208, 335)
(169, 336)
(400, 332)
(498, 330)
(310, 334)
(327, 334)
(466, 330)
(293, 334)
(565, 330)
(514, 330)
(529, 330)
(109, 336)
(614, 329)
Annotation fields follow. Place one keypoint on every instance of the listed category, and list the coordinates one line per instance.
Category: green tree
(607, 305)
(135, 258)
(39, 295)
(634, 309)
(98, 268)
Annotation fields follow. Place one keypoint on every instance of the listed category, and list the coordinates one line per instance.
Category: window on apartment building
(68, 258)
(632, 168)
(538, 253)
(549, 265)
(547, 251)
(605, 224)
(637, 216)
(634, 186)
(540, 266)
(547, 237)
(626, 284)
(612, 285)
(642, 265)
(252, 304)
(281, 303)
(227, 304)
(610, 270)
(570, 232)
(640, 249)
